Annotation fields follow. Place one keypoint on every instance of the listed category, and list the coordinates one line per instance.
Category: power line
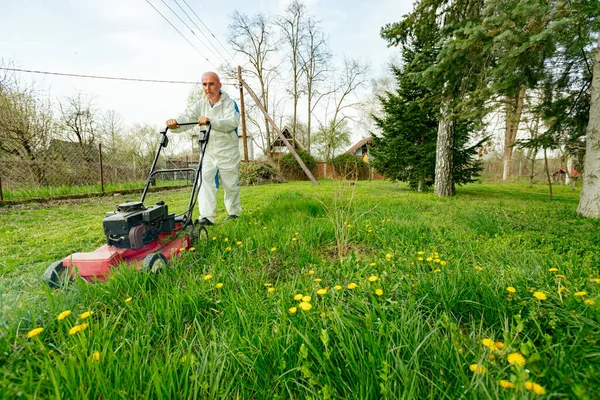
(203, 34)
(186, 39)
(227, 51)
(114, 78)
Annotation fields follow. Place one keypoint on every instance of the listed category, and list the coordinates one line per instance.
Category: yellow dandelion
(85, 314)
(596, 280)
(298, 297)
(273, 249)
(226, 240)
(293, 310)
(239, 242)
(318, 280)
(589, 302)
(305, 306)
(580, 294)
(306, 299)
(219, 285)
(228, 248)
(507, 384)
(128, 300)
(77, 328)
(322, 315)
(63, 315)
(271, 290)
(420, 252)
(437, 270)
(539, 295)
(373, 278)
(419, 258)
(553, 269)
(560, 276)
(487, 342)
(478, 268)
(268, 284)
(208, 277)
(192, 249)
(352, 285)
(294, 239)
(561, 289)
(95, 356)
(182, 249)
(491, 356)
(34, 332)
(511, 289)
(442, 263)
(214, 238)
(321, 292)
(534, 387)
(437, 260)
(372, 264)
(516, 358)
(429, 259)
(499, 345)
(378, 292)
(337, 287)
(477, 368)
(388, 256)
(311, 272)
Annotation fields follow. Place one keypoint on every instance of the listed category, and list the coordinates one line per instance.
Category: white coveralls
(222, 154)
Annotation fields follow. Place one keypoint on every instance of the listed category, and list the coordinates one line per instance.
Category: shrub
(348, 166)
(290, 167)
(258, 172)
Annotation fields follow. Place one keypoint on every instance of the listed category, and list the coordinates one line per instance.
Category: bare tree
(315, 59)
(111, 128)
(253, 38)
(78, 119)
(293, 27)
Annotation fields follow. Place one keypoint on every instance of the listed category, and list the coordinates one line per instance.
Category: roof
(574, 173)
(359, 144)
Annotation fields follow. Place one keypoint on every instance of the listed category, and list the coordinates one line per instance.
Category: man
(222, 151)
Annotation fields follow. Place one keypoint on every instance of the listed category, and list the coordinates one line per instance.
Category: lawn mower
(139, 236)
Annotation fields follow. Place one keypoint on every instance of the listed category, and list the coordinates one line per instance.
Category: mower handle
(184, 124)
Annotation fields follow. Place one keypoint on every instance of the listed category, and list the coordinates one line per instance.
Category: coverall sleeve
(190, 115)
(229, 121)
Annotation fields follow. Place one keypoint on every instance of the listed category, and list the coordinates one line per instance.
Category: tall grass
(403, 314)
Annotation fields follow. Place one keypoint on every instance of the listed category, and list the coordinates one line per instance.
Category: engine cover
(134, 225)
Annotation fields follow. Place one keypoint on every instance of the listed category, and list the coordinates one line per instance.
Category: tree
(589, 203)
(253, 38)
(78, 120)
(329, 139)
(293, 28)
(111, 128)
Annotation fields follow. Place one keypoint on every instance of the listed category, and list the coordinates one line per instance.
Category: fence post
(101, 170)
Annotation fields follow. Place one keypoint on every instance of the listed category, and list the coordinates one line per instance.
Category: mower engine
(133, 225)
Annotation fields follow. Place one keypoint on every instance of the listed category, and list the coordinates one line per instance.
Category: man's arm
(230, 120)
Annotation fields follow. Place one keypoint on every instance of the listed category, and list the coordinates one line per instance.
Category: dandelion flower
(305, 306)
(372, 264)
(478, 268)
(589, 302)
(322, 315)
(321, 291)
(596, 280)
(373, 278)
(580, 294)
(419, 258)
(85, 314)
(537, 389)
(298, 297)
(318, 280)
(487, 342)
(294, 239)
(477, 369)
(128, 300)
(63, 315)
(388, 256)
(192, 249)
(539, 295)
(442, 263)
(293, 310)
(271, 290)
(352, 285)
(429, 259)
(268, 284)
(273, 249)
(34, 332)
(437, 270)
(306, 299)
(337, 287)
(77, 328)
(420, 252)
(436, 260)
(214, 238)
(228, 248)
(499, 345)
(239, 242)
(95, 356)
(553, 269)
(207, 277)
(561, 289)
(226, 240)
(311, 272)
(219, 285)
(378, 292)
(182, 249)
(507, 384)
(516, 358)
(511, 289)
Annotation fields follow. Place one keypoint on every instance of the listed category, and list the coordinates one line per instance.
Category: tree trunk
(547, 172)
(514, 109)
(421, 183)
(589, 203)
(444, 184)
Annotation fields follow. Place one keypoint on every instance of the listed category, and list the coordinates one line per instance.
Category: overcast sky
(128, 38)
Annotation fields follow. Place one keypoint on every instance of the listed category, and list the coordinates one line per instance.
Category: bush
(258, 172)
(290, 167)
(348, 166)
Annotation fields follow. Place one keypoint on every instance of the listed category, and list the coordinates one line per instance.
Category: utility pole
(243, 114)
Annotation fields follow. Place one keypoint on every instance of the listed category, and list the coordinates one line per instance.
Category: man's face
(211, 86)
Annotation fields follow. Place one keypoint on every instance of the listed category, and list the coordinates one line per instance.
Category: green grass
(443, 266)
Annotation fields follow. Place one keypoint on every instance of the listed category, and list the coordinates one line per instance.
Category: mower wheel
(56, 275)
(154, 262)
(199, 235)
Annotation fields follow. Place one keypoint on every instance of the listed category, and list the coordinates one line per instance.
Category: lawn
(337, 291)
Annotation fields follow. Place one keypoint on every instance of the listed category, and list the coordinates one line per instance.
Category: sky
(129, 38)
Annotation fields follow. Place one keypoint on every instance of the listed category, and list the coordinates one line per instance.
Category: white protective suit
(222, 154)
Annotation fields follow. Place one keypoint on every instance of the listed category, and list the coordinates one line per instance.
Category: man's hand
(172, 124)
(203, 120)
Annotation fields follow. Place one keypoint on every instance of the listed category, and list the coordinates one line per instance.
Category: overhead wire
(186, 39)
(223, 58)
(207, 28)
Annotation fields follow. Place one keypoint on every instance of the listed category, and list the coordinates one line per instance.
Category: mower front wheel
(56, 275)
(199, 235)
(154, 262)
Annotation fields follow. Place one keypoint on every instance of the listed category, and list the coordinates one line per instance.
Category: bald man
(222, 151)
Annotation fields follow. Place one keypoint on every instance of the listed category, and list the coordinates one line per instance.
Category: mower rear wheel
(56, 275)
(199, 235)
(154, 262)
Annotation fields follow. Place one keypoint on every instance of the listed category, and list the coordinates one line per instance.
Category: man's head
(211, 84)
